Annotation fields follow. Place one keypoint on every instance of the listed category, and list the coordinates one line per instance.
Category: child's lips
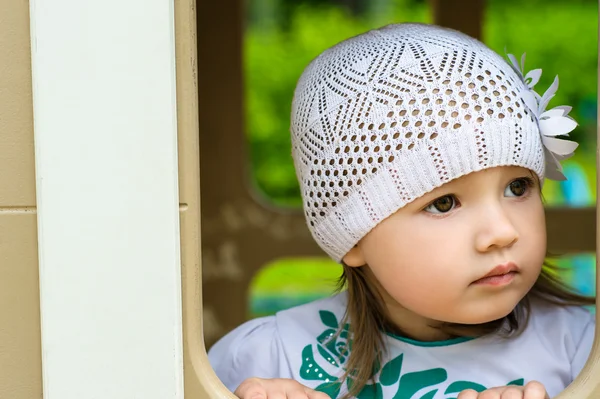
(496, 280)
(499, 275)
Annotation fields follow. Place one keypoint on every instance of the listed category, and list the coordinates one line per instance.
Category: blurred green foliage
(293, 276)
(559, 37)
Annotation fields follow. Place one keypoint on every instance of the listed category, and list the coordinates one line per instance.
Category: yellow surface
(20, 353)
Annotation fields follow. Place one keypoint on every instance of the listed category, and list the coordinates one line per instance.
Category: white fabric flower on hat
(553, 122)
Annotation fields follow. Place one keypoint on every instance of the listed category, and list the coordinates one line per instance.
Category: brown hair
(369, 320)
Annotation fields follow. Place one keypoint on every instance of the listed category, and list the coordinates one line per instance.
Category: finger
(282, 388)
(512, 392)
(492, 393)
(296, 392)
(251, 388)
(312, 394)
(468, 394)
(276, 394)
(535, 390)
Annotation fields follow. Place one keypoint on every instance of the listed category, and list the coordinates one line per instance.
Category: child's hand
(533, 390)
(276, 388)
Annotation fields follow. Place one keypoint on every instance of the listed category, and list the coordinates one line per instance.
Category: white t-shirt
(295, 344)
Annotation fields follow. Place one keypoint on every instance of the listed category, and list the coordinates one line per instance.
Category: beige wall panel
(20, 353)
(17, 184)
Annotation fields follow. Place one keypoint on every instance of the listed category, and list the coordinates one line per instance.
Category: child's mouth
(500, 279)
(499, 275)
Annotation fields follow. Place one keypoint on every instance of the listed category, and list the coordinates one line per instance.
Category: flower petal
(565, 108)
(551, 113)
(561, 158)
(553, 168)
(558, 146)
(530, 101)
(533, 77)
(554, 174)
(557, 126)
(515, 63)
(552, 159)
(548, 95)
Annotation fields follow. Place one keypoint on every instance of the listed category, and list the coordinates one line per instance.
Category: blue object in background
(584, 273)
(575, 189)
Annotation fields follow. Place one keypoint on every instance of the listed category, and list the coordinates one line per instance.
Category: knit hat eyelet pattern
(382, 118)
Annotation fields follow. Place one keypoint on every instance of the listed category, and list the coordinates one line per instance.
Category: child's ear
(354, 258)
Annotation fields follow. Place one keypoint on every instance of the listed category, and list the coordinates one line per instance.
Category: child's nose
(496, 230)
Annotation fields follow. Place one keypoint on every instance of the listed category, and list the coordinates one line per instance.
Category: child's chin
(486, 315)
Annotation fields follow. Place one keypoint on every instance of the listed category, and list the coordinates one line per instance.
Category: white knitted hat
(382, 118)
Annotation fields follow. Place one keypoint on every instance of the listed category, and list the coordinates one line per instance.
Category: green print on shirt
(335, 352)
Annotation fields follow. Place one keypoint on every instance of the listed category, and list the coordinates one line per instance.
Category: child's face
(427, 258)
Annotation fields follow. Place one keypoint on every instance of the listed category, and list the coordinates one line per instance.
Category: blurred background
(278, 38)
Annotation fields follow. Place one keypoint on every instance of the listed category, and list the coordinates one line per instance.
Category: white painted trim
(107, 195)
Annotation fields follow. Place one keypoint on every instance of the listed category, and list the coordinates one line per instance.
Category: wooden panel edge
(199, 378)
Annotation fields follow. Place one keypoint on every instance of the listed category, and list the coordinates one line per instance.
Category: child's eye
(518, 187)
(442, 205)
